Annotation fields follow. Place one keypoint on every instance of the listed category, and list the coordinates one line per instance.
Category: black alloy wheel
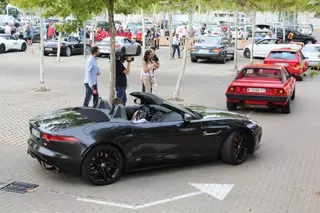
(234, 149)
(103, 165)
(2, 48)
(23, 47)
(138, 52)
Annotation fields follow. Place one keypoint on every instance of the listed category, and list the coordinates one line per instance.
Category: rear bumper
(241, 97)
(213, 56)
(61, 163)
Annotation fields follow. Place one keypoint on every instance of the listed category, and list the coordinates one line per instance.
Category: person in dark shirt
(121, 78)
(155, 60)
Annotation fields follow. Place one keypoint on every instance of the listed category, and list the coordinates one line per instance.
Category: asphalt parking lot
(282, 177)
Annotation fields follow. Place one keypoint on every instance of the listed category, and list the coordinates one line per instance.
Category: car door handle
(205, 133)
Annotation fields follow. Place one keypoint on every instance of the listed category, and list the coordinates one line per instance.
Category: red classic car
(262, 84)
(293, 60)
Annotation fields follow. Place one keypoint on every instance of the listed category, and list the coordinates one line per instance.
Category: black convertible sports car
(101, 143)
(69, 46)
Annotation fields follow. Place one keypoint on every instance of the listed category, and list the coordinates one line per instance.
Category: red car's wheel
(286, 108)
(231, 105)
(293, 96)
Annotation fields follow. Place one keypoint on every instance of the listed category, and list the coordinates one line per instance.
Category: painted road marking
(219, 191)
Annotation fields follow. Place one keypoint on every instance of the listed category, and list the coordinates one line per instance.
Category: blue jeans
(89, 94)
(121, 93)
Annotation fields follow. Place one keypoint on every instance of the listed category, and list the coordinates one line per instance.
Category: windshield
(288, 55)
(260, 73)
(311, 49)
(209, 40)
(260, 34)
(179, 107)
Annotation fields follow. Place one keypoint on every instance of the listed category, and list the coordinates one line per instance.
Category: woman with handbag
(147, 71)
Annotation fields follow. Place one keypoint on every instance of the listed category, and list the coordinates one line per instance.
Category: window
(260, 72)
(286, 74)
(301, 56)
(73, 39)
(226, 42)
(266, 41)
(288, 55)
(127, 41)
(209, 40)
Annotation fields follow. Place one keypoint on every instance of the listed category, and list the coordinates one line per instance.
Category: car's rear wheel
(23, 47)
(88, 50)
(68, 51)
(231, 105)
(234, 148)
(293, 96)
(286, 108)
(247, 53)
(123, 51)
(194, 60)
(2, 48)
(138, 52)
(103, 165)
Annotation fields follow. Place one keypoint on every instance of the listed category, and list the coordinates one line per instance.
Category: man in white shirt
(7, 29)
(175, 45)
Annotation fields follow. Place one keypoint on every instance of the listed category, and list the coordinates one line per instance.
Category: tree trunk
(184, 61)
(59, 46)
(154, 15)
(143, 33)
(283, 28)
(236, 14)
(170, 35)
(254, 16)
(42, 85)
(84, 40)
(110, 7)
(207, 18)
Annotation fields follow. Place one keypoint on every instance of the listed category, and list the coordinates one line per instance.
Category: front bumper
(262, 98)
(58, 161)
(213, 56)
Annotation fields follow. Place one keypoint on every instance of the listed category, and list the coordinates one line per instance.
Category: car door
(76, 44)
(157, 143)
(228, 47)
(13, 43)
(261, 47)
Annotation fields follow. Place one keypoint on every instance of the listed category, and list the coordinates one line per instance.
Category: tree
(3, 4)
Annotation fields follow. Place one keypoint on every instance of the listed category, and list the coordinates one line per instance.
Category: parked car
(241, 33)
(265, 85)
(9, 43)
(312, 54)
(69, 46)
(100, 144)
(294, 61)
(297, 36)
(213, 48)
(264, 46)
(123, 45)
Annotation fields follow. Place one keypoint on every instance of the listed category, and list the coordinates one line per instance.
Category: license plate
(48, 48)
(203, 51)
(282, 64)
(258, 90)
(35, 132)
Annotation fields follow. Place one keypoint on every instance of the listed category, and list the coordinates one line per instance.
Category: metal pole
(42, 85)
(164, 16)
(84, 40)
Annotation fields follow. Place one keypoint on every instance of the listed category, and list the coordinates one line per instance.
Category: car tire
(2, 48)
(46, 54)
(293, 96)
(309, 42)
(23, 47)
(88, 50)
(68, 52)
(107, 170)
(286, 108)
(234, 148)
(231, 106)
(232, 57)
(123, 52)
(138, 52)
(223, 60)
(247, 53)
(194, 60)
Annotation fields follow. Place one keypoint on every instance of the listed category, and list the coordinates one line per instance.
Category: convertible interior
(152, 113)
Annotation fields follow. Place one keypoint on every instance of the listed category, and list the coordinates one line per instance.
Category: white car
(8, 42)
(264, 46)
(312, 53)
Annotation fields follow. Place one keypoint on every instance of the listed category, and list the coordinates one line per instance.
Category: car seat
(102, 104)
(120, 112)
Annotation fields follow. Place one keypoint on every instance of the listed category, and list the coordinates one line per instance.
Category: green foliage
(3, 4)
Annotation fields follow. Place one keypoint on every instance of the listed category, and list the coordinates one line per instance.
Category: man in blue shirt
(90, 79)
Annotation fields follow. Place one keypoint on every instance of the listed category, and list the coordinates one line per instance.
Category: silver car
(312, 53)
(123, 45)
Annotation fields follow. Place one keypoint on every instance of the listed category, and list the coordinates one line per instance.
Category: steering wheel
(142, 112)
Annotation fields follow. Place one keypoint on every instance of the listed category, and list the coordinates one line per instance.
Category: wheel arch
(88, 150)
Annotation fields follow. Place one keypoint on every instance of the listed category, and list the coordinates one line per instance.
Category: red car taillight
(49, 138)
(278, 91)
(237, 89)
(216, 50)
(297, 65)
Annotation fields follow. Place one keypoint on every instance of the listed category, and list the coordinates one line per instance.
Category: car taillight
(117, 45)
(298, 65)
(278, 91)
(57, 138)
(216, 50)
(192, 49)
(231, 89)
(238, 89)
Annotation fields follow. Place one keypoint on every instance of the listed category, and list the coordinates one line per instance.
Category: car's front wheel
(2, 48)
(234, 148)
(103, 165)
(246, 53)
(194, 60)
(23, 47)
(138, 52)
(68, 51)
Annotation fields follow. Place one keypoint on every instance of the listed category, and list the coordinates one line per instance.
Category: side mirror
(187, 118)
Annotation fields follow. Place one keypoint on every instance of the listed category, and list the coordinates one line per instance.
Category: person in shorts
(156, 61)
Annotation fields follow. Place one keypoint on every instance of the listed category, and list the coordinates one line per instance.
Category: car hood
(209, 113)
